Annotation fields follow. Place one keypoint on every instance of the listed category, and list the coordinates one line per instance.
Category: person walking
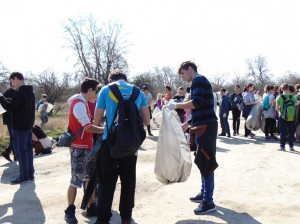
(110, 168)
(234, 99)
(22, 109)
(10, 93)
(223, 114)
(80, 119)
(204, 125)
(148, 97)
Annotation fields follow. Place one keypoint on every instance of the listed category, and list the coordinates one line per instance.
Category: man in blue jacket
(224, 112)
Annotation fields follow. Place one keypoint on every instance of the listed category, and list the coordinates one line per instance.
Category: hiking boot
(197, 199)
(6, 155)
(70, 214)
(222, 134)
(19, 181)
(205, 208)
(282, 148)
(91, 211)
(292, 149)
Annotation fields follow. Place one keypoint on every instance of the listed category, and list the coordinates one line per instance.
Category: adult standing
(179, 98)
(249, 101)
(236, 113)
(22, 108)
(148, 97)
(80, 119)
(109, 168)
(223, 114)
(205, 126)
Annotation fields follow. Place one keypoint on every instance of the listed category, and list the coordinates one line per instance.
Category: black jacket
(22, 108)
(10, 93)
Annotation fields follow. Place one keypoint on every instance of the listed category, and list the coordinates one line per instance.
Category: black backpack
(127, 131)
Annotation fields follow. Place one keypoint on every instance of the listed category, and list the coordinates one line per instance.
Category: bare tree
(99, 50)
(218, 81)
(4, 74)
(290, 77)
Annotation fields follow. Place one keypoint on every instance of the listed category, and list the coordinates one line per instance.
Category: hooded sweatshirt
(21, 107)
(80, 117)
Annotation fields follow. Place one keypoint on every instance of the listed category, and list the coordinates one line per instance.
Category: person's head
(284, 87)
(44, 97)
(223, 92)
(167, 89)
(145, 89)
(159, 96)
(237, 89)
(188, 70)
(249, 87)
(291, 89)
(116, 75)
(297, 87)
(269, 88)
(89, 88)
(253, 90)
(16, 79)
(180, 91)
(276, 88)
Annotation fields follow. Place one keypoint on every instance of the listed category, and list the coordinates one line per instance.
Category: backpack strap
(115, 90)
(135, 94)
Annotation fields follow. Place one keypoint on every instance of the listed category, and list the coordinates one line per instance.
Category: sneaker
(197, 199)
(222, 134)
(204, 208)
(6, 155)
(250, 137)
(267, 138)
(91, 211)
(281, 148)
(292, 149)
(252, 134)
(150, 134)
(70, 214)
(18, 181)
(229, 136)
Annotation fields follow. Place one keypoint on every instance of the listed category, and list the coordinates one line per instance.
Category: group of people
(278, 106)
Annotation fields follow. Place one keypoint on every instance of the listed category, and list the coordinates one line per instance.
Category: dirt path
(254, 183)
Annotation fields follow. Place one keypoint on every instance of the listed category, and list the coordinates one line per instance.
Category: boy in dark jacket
(224, 112)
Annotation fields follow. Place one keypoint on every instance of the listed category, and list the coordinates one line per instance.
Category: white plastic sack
(253, 122)
(2, 110)
(173, 158)
(157, 116)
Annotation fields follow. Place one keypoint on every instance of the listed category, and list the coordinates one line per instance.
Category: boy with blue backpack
(286, 106)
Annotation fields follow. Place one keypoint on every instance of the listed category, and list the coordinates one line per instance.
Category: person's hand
(224, 115)
(185, 126)
(171, 106)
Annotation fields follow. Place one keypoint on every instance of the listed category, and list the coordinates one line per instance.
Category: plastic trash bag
(253, 122)
(173, 158)
(2, 110)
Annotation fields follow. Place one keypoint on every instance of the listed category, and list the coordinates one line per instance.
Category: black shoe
(6, 156)
(91, 211)
(19, 181)
(205, 208)
(222, 134)
(127, 221)
(197, 199)
(229, 136)
(70, 215)
(150, 134)
(31, 178)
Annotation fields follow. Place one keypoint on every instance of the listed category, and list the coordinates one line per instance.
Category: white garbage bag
(253, 122)
(2, 110)
(157, 116)
(173, 161)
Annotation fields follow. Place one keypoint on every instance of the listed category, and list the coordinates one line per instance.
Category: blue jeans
(224, 124)
(286, 126)
(22, 142)
(207, 188)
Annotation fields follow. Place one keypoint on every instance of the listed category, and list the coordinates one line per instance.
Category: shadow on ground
(225, 214)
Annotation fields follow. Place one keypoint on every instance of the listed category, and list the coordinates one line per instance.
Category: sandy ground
(254, 183)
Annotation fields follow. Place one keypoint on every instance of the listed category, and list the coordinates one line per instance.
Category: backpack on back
(289, 108)
(127, 131)
(265, 105)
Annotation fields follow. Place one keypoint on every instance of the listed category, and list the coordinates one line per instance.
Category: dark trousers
(108, 171)
(247, 131)
(22, 141)
(224, 124)
(236, 117)
(286, 127)
(269, 128)
(10, 147)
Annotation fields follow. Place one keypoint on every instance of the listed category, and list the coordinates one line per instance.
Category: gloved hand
(224, 115)
(171, 106)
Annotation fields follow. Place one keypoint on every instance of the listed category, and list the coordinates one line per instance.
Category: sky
(217, 35)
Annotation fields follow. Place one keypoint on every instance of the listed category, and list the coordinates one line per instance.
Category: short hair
(168, 87)
(238, 86)
(223, 90)
(185, 66)
(17, 75)
(276, 87)
(284, 87)
(116, 75)
(180, 88)
(44, 96)
(88, 83)
(291, 89)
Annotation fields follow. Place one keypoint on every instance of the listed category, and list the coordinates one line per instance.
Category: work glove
(171, 106)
